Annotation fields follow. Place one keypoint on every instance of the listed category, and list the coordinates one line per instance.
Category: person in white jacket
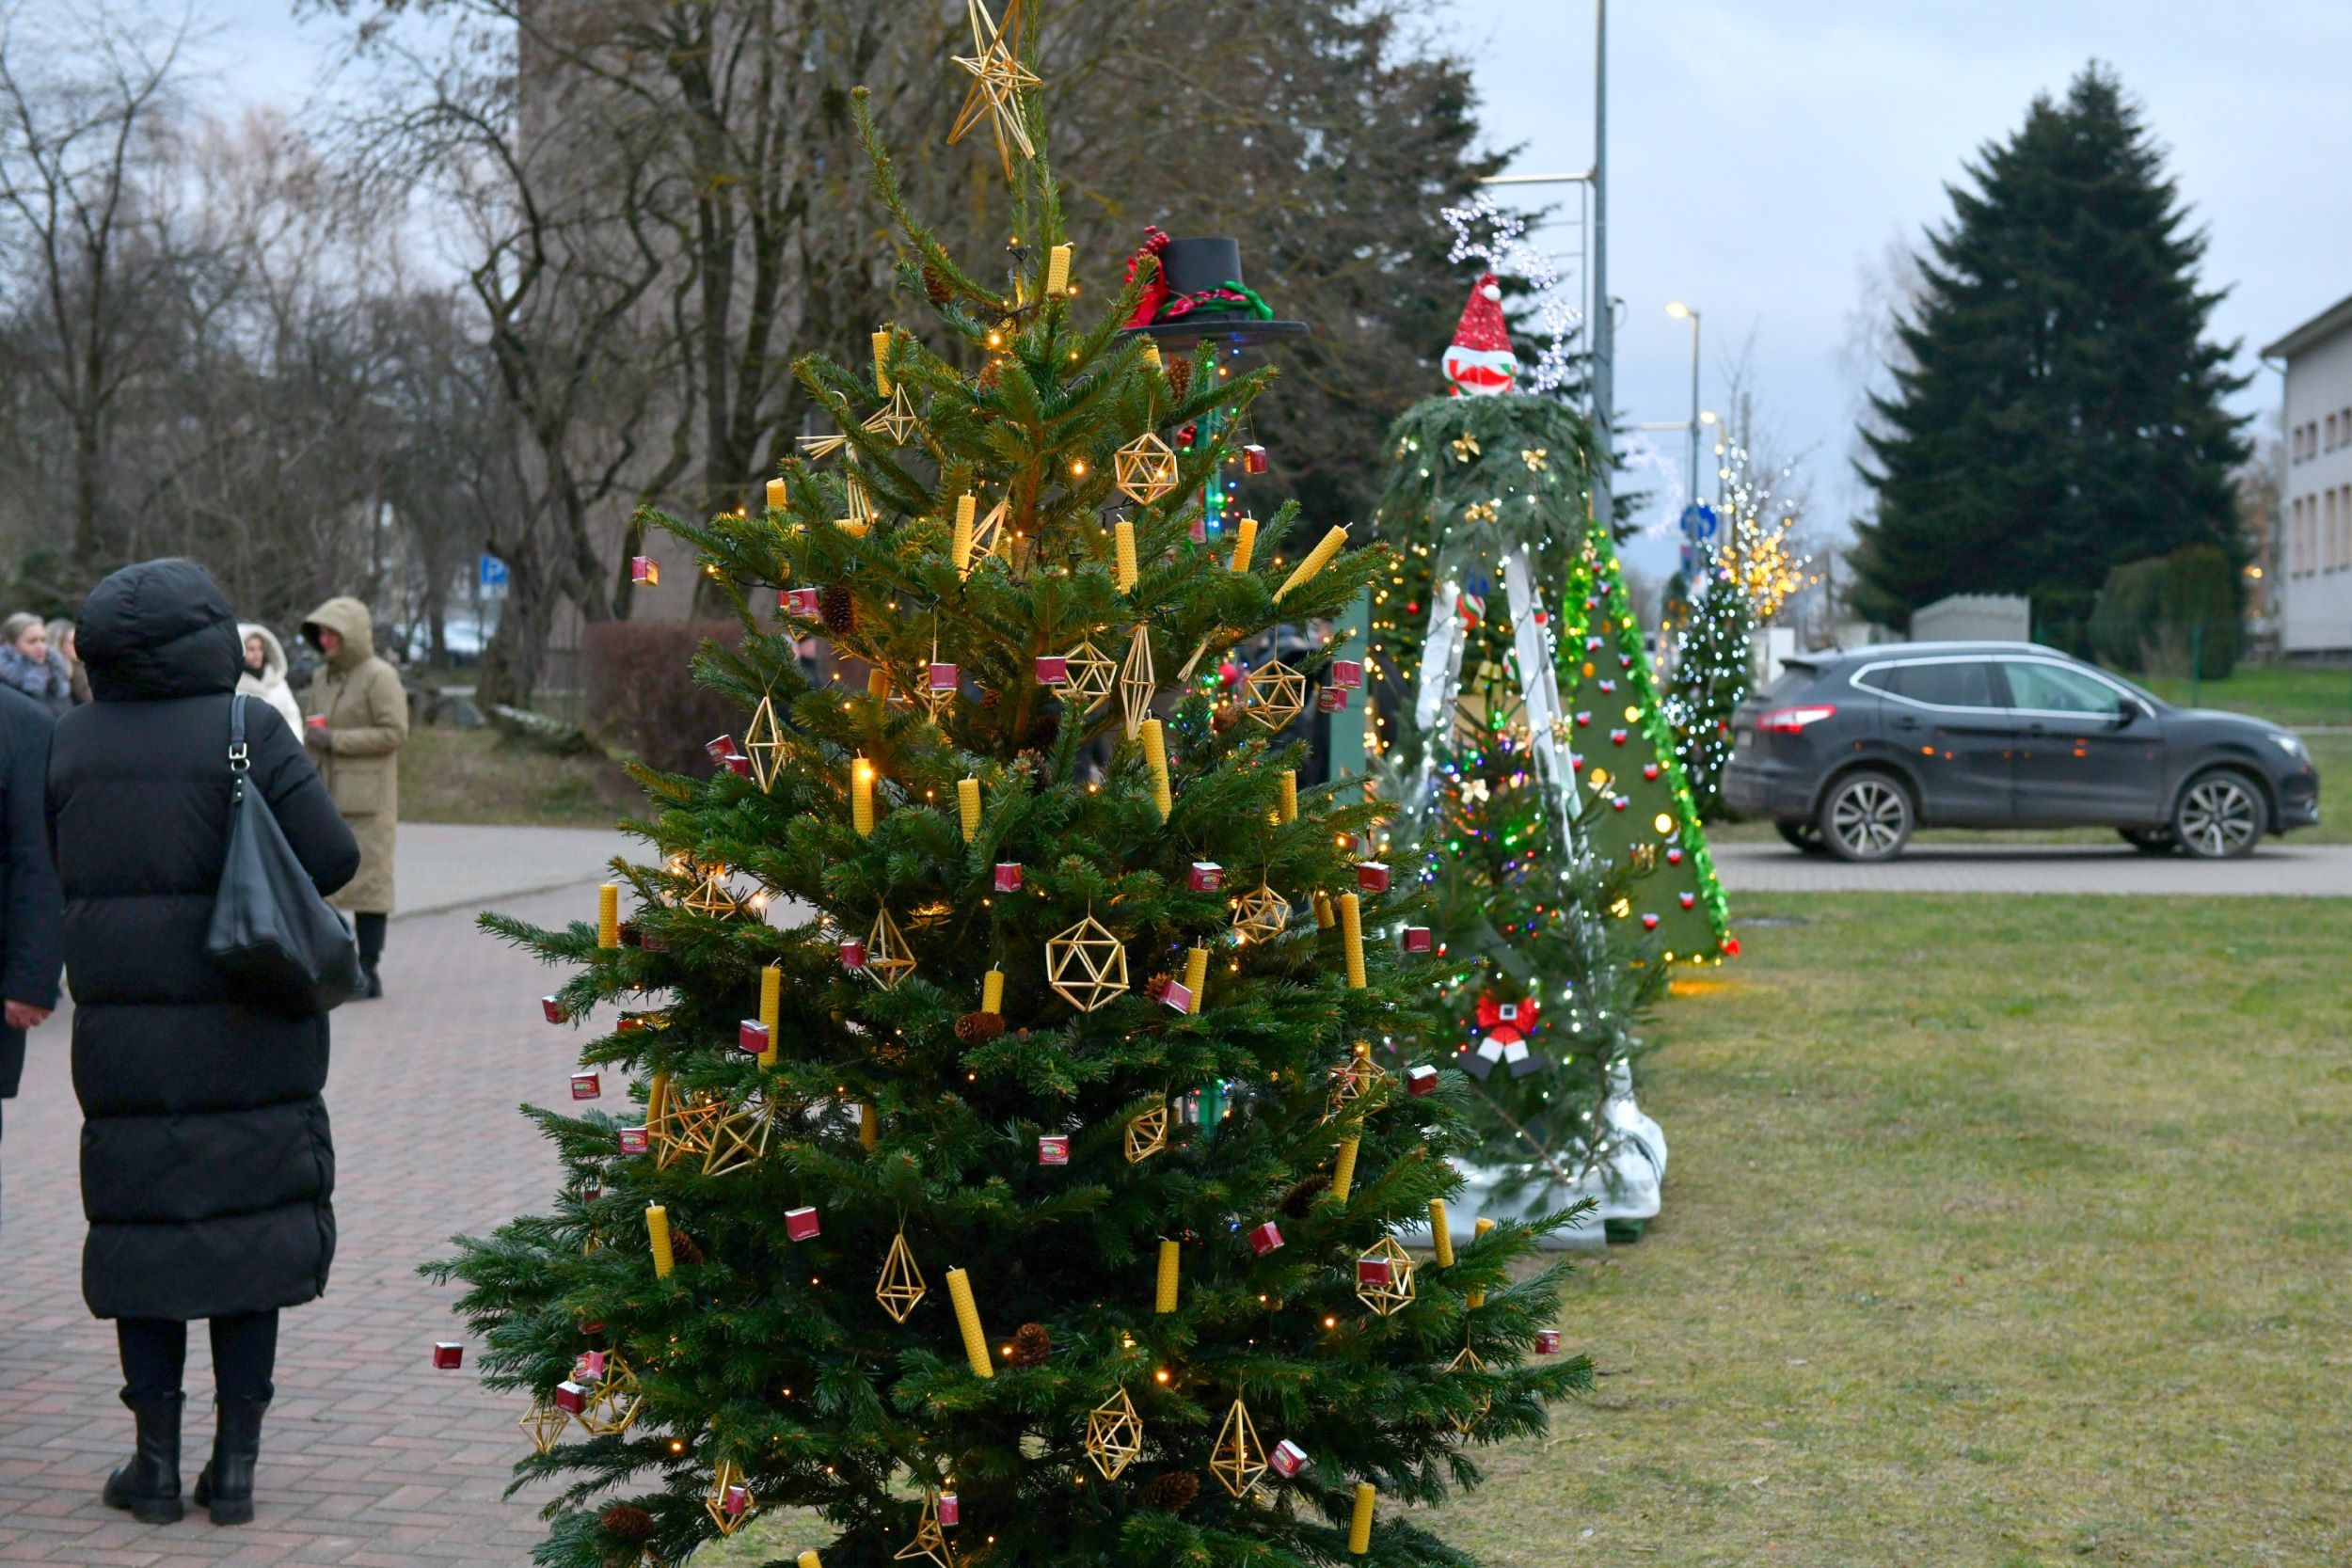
(265, 674)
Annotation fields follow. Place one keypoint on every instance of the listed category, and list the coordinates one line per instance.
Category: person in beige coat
(356, 721)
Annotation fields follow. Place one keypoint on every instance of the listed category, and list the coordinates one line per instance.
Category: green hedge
(2164, 612)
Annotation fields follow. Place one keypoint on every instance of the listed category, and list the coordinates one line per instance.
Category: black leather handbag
(285, 946)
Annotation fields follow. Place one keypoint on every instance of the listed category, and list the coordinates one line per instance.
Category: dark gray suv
(1847, 753)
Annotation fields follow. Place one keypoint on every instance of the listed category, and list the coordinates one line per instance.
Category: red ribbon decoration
(1155, 293)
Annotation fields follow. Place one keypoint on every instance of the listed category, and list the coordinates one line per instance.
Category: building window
(2331, 433)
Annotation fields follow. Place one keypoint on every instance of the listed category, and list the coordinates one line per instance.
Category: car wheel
(2150, 841)
(2220, 815)
(1803, 835)
(1867, 817)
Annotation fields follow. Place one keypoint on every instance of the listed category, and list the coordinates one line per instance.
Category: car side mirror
(2131, 708)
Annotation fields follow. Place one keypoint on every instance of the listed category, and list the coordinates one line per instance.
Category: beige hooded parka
(366, 711)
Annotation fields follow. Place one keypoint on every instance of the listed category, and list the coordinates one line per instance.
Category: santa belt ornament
(1481, 1062)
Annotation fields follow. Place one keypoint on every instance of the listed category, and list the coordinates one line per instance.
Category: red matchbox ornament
(572, 1396)
(1374, 1270)
(1207, 877)
(1347, 673)
(1416, 939)
(736, 1501)
(1266, 1239)
(632, 1140)
(798, 601)
(800, 1224)
(589, 1367)
(1372, 877)
(853, 952)
(737, 764)
(1331, 700)
(951, 1509)
(945, 677)
(1287, 1459)
(1053, 669)
(644, 569)
(720, 747)
(1053, 1149)
(1253, 459)
(1422, 1079)
(586, 1086)
(1177, 995)
(447, 1354)
(1009, 876)
(1547, 1341)
(751, 1038)
(554, 1009)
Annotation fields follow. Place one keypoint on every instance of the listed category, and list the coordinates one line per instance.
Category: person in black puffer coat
(206, 1164)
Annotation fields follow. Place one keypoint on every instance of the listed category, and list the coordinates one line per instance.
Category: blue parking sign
(492, 578)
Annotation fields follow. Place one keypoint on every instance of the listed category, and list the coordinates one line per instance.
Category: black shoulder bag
(285, 946)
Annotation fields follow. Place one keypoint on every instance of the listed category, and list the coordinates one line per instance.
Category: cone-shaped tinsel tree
(1020, 1187)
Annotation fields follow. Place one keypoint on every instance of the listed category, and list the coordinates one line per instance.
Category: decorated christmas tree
(1005, 1171)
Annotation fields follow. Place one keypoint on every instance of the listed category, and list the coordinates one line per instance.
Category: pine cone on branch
(1172, 1492)
(838, 607)
(683, 1246)
(627, 1522)
(935, 285)
(1031, 1345)
(980, 1028)
(1180, 377)
(989, 372)
(1300, 1200)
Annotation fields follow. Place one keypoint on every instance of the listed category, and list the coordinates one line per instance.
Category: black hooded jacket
(207, 1166)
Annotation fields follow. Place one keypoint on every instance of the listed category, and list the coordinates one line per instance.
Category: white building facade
(2314, 557)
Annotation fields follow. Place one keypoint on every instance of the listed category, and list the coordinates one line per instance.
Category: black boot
(148, 1487)
(226, 1484)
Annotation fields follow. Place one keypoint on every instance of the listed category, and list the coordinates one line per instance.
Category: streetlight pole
(1680, 310)
(1604, 321)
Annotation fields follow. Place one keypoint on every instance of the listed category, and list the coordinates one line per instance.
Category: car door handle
(1905, 721)
(2037, 728)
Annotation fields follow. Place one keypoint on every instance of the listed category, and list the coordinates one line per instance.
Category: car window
(1943, 683)
(2056, 689)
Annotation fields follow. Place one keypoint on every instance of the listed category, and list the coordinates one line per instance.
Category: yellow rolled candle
(770, 1008)
(656, 1098)
(776, 499)
(810, 1559)
(878, 684)
(1440, 1234)
(992, 991)
(968, 803)
(862, 796)
(1359, 1528)
(1344, 1171)
(1196, 976)
(1246, 540)
(1164, 1298)
(1155, 756)
(657, 1229)
(1317, 559)
(1352, 937)
(1289, 795)
(1058, 271)
(1324, 917)
(868, 1128)
(1478, 1298)
(881, 353)
(968, 1320)
(608, 915)
(1124, 553)
(1152, 355)
(962, 548)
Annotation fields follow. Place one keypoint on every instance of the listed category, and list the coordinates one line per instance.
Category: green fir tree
(2058, 409)
(1066, 1182)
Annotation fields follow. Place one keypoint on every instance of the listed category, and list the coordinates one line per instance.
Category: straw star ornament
(999, 80)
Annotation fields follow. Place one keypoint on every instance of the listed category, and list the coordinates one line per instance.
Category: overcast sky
(1762, 152)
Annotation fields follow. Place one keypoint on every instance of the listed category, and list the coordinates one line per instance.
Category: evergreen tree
(1711, 677)
(2060, 410)
(1032, 1199)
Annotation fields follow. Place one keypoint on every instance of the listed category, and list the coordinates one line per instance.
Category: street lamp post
(1682, 313)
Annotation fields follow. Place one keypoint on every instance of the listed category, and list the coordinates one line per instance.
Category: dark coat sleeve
(297, 796)
(30, 902)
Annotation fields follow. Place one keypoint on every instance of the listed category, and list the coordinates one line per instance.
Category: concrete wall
(1973, 618)
(2315, 559)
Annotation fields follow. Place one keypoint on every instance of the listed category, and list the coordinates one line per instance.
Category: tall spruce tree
(2062, 409)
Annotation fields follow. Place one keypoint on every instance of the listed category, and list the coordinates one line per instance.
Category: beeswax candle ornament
(1343, 1172)
(810, 1559)
(968, 1320)
(1477, 1298)
(1352, 937)
(992, 991)
(776, 497)
(862, 796)
(1359, 1526)
(1325, 917)
(1124, 555)
(1164, 1300)
(968, 802)
(966, 506)
(1317, 559)
(1245, 540)
(770, 1008)
(1155, 756)
(657, 1230)
(878, 684)
(1058, 271)
(608, 915)
(868, 1128)
(1289, 795)
(1440, 1234)
(1196, 973)
(881, 355)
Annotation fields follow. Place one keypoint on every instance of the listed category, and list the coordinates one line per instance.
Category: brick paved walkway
(370, 1457)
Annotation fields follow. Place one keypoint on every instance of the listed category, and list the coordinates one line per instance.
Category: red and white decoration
(1207, 877)
(751, 1038)
(1009, 876)
(951, 1509)
(1372, 877)
(853, 953)
(632, 1140)
(447, 1354)
(800, 1224)
(1053, 669)
(798, 601)
(1287, 1459)
(1347, 673)
(1053, 1149)
(1266, 1239)
(586, 1086)
(1177, 995)
(554, 1009)
(1416, 939)
(1479, 361)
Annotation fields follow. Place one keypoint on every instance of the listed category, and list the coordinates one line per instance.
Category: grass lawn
(452, 775)
(2001, 1231)
(2295, 694)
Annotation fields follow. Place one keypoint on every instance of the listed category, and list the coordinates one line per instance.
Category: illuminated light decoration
(1483, 232)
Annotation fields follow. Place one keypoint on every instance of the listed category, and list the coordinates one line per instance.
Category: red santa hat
(1479, 360)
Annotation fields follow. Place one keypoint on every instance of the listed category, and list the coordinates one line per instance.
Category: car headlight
(2293, 746)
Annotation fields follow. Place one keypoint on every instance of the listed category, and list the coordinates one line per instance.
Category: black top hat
(1199, 294)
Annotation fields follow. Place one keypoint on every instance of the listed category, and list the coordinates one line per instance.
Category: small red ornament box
(1422, 1079)
(1265, 1238)
(1009, 876)
(1372, 877)
(1053, 1149)
(800, 1224)
(586, 1086)
(447, 1354)
(1207, 877)
(751, 1038)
